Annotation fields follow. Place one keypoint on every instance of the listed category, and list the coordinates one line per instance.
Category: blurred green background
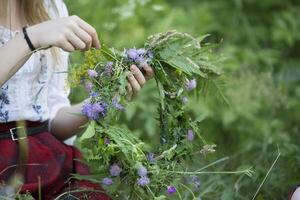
(261, 41)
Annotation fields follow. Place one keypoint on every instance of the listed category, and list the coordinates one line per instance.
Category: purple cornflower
(144, 180)
(190, 135)
(191, 84)
(132, 54)
(171, 189)
(115, 170)
(142, 171)
(150, 157)
(139, 56)
(92, 111)
(141, 52)
(116, 104)
(106, 141)
(109, 68)
(94, 94)
(185, 100)
(88, 86)
(92, 73)
(107, 181)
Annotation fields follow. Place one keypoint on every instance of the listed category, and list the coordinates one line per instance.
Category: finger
(134, 84)
(91, 31)
(76, 41)
(67, 46)
(84, 36)
(149, 72)
(129, 91)
(138, 75)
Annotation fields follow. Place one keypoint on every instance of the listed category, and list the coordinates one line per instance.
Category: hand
(137, 79)
(69, 33)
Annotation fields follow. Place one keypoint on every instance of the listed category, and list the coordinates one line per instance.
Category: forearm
(68, 122)
(13, 55)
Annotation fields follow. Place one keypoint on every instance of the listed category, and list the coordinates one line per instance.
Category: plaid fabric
(49, 163)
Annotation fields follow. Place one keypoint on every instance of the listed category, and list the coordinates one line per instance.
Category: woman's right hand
(69, 33)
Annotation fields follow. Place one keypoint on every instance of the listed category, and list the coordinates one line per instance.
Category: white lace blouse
(39, 89)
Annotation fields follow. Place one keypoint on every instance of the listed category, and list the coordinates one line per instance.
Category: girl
(34, 90)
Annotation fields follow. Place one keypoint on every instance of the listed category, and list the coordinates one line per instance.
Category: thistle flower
(150, 157)
(116, 104)
(109, 68)
(93, 111)
(171, 189)
(190, 135)
(115, 170)
(107, 181)
(142, 171)
(94, 94)
(191, 84)
(106, 141)
(141, 52)
(88, 86)
(132, 54)
(92, 73)
(139, 56)
(144, 180)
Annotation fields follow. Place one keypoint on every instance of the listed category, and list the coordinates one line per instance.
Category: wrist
(34, 36)
(28, 40)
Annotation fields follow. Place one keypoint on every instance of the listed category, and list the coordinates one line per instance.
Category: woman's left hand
(137, 79)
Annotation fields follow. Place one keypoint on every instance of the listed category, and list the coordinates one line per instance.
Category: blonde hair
(34, 12)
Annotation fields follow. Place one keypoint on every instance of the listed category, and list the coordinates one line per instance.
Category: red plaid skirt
(47, 168)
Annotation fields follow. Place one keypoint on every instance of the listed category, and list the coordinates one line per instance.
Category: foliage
(179, 60)
(262, 83)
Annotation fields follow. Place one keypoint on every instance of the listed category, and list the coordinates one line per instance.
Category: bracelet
(32, 48)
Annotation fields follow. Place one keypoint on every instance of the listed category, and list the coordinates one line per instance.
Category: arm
(13, 55)
(69, 34)
(67, 122)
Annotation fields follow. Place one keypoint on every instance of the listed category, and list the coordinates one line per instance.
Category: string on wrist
(26, 37)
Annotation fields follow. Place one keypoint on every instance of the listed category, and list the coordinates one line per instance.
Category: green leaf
(89, 132)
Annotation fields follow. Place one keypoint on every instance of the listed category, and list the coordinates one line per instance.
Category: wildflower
(185, 100)
(115, 170)
(106, 141)
(132, 54)
(92, 111)
(139, 56)
(190, 135)
(107, 181)
(191, 84)
(109, 68)
(150, 158)
(141, 52)
(94, 94)
(207, 149)
(144, 180)
(116, 104)
(171, 189)
(88, 86)
(92, 73)
(142, 171)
